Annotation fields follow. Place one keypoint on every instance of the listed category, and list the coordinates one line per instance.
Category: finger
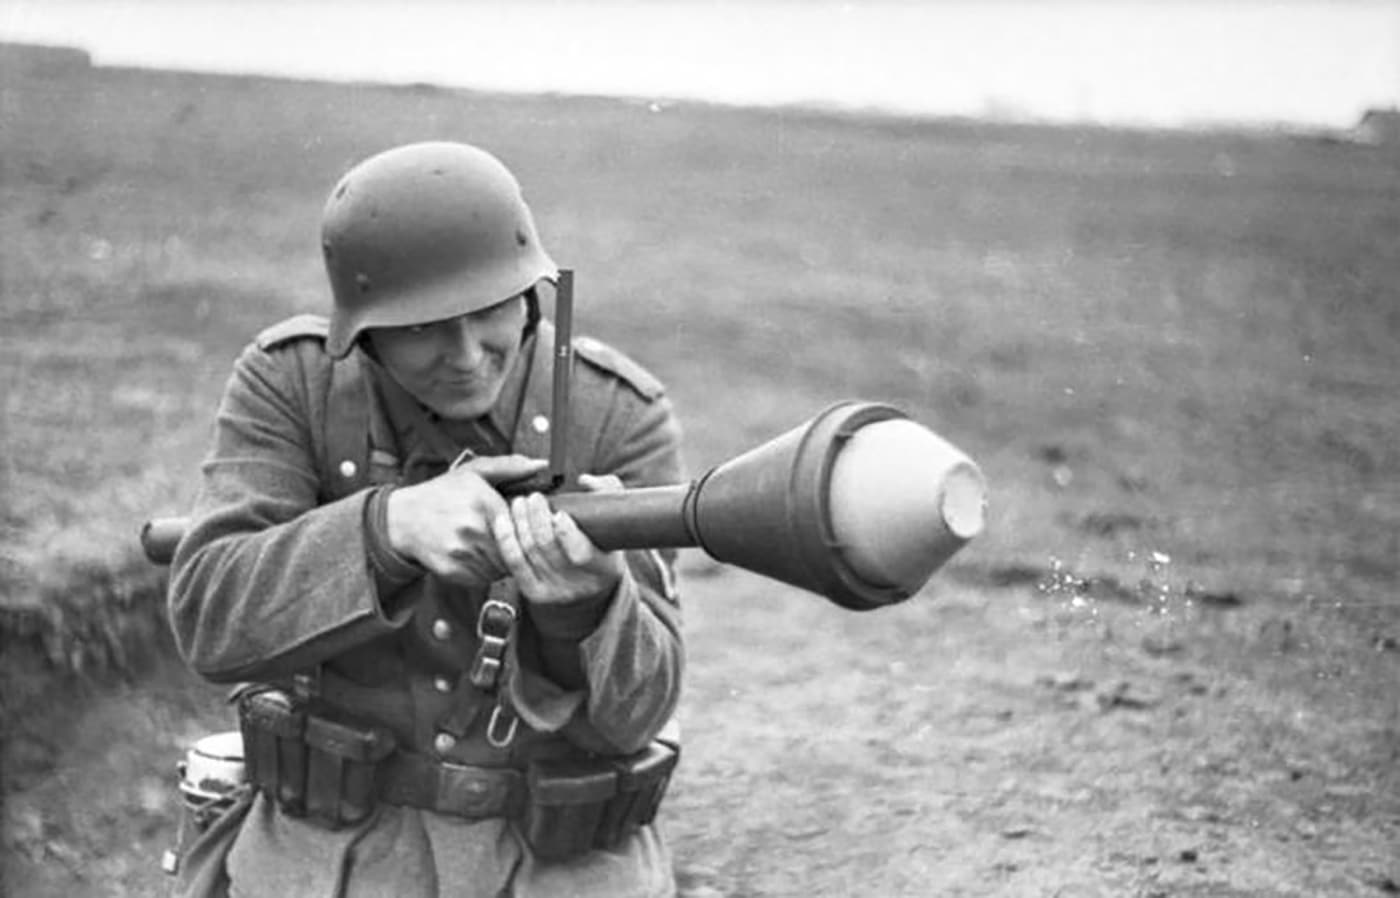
(480, 554)
(548, 555)
(578, 548)
(477, 566)
(473, 521)
(512, 552)
(466, 483)
(492, 504)
(541, 521)
(520, 523)
(496, 469)
(600, 483)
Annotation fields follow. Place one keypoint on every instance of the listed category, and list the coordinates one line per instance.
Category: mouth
(464, 379)
(461, 380)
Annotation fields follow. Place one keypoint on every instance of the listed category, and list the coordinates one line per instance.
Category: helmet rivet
(520, 238)
(347, 469)
(540, 423)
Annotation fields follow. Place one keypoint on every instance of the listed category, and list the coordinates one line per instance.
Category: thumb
(600, 483)
(497, 469)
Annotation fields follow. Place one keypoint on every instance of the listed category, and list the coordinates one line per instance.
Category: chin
(464, 409)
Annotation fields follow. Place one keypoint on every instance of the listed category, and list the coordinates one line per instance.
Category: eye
(500, 310)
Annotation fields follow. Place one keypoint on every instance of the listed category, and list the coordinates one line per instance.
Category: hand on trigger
(444, 523)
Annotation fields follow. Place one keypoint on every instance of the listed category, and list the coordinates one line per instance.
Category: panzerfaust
(860, 504)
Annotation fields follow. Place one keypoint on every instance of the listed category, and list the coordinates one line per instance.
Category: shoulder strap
(295, 328)
(601, 355)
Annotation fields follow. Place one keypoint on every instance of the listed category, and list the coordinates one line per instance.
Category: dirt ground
(975, 741)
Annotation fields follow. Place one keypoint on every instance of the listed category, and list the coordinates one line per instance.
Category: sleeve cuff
(573, 620)
(392, 571)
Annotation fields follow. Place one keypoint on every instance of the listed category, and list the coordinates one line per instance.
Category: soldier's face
(456, 366)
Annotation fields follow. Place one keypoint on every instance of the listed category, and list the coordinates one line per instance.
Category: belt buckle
(493, 628)
(470, 792)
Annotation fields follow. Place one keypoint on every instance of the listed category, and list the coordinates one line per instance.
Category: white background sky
(1300, 62)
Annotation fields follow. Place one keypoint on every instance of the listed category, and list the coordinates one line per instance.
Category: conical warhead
(902, 501)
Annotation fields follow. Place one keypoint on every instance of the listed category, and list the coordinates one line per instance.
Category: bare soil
(971, 742)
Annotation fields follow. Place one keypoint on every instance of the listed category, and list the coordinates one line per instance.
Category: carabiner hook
(494, 724)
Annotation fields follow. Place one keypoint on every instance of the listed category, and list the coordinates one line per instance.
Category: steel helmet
(425, 232)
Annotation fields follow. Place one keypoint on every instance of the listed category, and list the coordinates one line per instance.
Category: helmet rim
(423, 304)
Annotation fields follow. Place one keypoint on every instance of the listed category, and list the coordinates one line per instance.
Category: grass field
(1172, 665)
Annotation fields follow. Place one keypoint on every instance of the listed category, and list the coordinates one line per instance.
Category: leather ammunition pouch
(575, 806)
(323, 765)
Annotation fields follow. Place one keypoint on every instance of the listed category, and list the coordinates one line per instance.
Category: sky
(1306, 63)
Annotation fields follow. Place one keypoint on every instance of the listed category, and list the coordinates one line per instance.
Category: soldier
(451, 690)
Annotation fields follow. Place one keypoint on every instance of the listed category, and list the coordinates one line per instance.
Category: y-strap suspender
(358, 452)
(495, 629)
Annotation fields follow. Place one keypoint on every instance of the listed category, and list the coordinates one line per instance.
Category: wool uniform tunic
(285, 571)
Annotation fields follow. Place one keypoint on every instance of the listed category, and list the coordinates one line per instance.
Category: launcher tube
(647, 518)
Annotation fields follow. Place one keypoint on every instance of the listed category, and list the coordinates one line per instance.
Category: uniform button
(347, 469)
(540, 423)
(442, 629)
(443, 743)
(442, 684)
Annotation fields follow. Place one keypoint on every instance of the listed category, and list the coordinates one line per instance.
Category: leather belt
(331, 767)
(418, 781)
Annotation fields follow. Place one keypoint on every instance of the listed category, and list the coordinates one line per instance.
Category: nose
(461, 343)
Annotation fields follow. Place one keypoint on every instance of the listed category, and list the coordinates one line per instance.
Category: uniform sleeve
(614, 687)
(266, 583)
